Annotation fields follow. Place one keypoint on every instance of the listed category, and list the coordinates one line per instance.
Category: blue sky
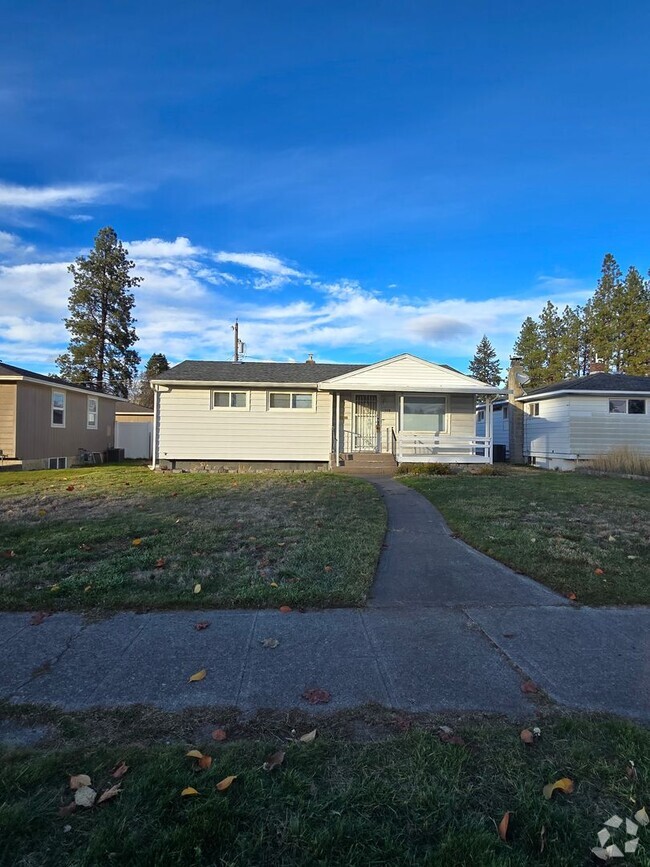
(351, 179)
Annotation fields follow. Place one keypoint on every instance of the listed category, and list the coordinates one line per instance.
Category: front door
(366, 427)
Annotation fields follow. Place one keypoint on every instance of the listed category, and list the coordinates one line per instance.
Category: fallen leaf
(109, 793)
(188, 790)
(219, 735)
(273, 761)
(79, 780)
(273, 584)
(67, 809)
(563, 785)
(327, 569)
(194, 754)
(285, 609)
(88, 588)
(202, 624)
(572, 596)
(136, 542)
(527, 737)
(226, 783)
(119, 770)
(641, 816)
(503, 826)
(198, 676)
(631, 771)
(8, 553)
(309, 737)
(529, 686)
(205, 762)
(599, 571)
(197, 588)
(38, 618)
(317, 696)
(55, 588)
(269, 642)
(160, 563)
(85, 796)
(611, 539)
(85, 547)
(70, 488)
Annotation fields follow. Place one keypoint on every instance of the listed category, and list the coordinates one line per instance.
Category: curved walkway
(446, 629)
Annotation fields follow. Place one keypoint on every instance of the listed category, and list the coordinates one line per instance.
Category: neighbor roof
(254, 371)
(594, 382)
(11, 370)
(130, 408)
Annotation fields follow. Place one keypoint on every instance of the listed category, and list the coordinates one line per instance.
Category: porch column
(337, 429)
(489, 418)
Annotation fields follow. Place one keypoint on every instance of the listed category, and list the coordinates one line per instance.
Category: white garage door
(134, 437)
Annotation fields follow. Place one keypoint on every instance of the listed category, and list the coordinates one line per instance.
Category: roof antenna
(240, 346)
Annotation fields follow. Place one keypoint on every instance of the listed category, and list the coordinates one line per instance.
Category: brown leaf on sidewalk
(119, 770)
(199, 675)
(562, 785)
(226, 783)
(530, 687)
(269, 642)
(219, 735)
(285, 609)
(202, 624)
(274, 761)
(572, 596)
(109, 793)
(503, 826)
(317, 696)
(38, 618)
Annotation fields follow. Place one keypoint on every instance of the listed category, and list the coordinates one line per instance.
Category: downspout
(154, 435)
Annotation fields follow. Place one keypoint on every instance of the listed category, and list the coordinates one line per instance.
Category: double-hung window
(58, 409)
(533, 409)
(291, 400)
(631, 406)
(424, 413)
(230, 400)
(91, 413)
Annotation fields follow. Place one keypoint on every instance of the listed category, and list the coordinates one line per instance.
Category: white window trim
(229, 392)
(290, 408)
(429, 395)
(532, 412)
(480, 415)
(65, 463)
(52, 408)
(90, 426)
(626, 401)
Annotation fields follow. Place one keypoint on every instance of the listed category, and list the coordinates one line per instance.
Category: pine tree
(634, 320)
(156, 365)
(101, 324)
(528, 347)
(550, 335)
(485, 364)
(604, 325)
(571, 340)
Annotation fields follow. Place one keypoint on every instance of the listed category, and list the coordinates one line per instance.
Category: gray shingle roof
(12, 370)
(254, 371)
(596, 382)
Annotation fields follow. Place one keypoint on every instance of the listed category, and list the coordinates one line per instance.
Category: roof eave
(600, 391)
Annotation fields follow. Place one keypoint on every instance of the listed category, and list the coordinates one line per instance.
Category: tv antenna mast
(240, 346)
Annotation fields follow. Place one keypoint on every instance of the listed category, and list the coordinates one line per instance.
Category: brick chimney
(516, 378)
(597, 367)
(310, 360)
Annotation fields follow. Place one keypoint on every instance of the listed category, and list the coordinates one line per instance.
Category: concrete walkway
(446, 629)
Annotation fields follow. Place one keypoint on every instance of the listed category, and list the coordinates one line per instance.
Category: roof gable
(407, 372)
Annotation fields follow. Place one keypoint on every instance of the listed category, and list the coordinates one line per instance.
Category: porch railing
(424, 448)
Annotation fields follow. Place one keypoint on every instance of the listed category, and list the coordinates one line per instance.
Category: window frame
(230, 392)
(534, 410)
(89, 425)
(625, 402)
(291, 407)
(61, 409)
(480, 415)
(427, 396)
(58, 461)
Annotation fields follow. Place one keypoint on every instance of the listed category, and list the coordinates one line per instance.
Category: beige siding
(134, 417)
(36, 439)
(548, 433)
(8, 419)
(401, 374)
(191, 430)
(595, 431)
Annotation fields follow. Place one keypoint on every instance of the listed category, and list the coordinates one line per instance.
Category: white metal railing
(424, 448)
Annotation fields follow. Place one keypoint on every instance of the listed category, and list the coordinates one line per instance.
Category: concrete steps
(365, 464)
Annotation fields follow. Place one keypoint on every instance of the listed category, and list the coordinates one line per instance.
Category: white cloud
(49, 198)
(81, 218)
(11, 246)
(264, 262)
(156, 248)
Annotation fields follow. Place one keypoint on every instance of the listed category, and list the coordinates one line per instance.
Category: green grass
(259, 540)
(408, 799)
(559, 528)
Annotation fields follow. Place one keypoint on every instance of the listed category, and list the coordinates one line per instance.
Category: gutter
(610, 392)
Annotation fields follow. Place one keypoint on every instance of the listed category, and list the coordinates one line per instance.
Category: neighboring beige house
(46, 422)
(578, 419)
(299, 416)
(134, 430)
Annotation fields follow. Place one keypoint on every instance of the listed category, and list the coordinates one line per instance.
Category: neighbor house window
(230, 399)
(290, 400)
(57, 463)
(633, 406)
(423, 413)
(534, 409)
(58, 409)
(505, 413)
(480, 415)
(91, 414)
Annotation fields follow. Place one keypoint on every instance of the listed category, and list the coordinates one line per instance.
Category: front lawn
(124, 537)
(407, 799)
(578, 534)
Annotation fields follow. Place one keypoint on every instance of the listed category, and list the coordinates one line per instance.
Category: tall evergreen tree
(101, 324)
(485, 364)
(604, 325)
(156, 365)
(634, 320)
(528, 347)
(550, 334)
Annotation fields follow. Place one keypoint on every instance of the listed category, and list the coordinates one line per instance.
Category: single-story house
(578, 419)
(47, 422)
(134, 430)
(221, 414)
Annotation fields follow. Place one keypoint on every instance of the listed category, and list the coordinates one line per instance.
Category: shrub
(433, 469)
(624, 460)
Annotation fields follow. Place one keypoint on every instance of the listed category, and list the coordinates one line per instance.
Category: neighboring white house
(299, 416)
(134, 430)
(578, 419)
(500, 427)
